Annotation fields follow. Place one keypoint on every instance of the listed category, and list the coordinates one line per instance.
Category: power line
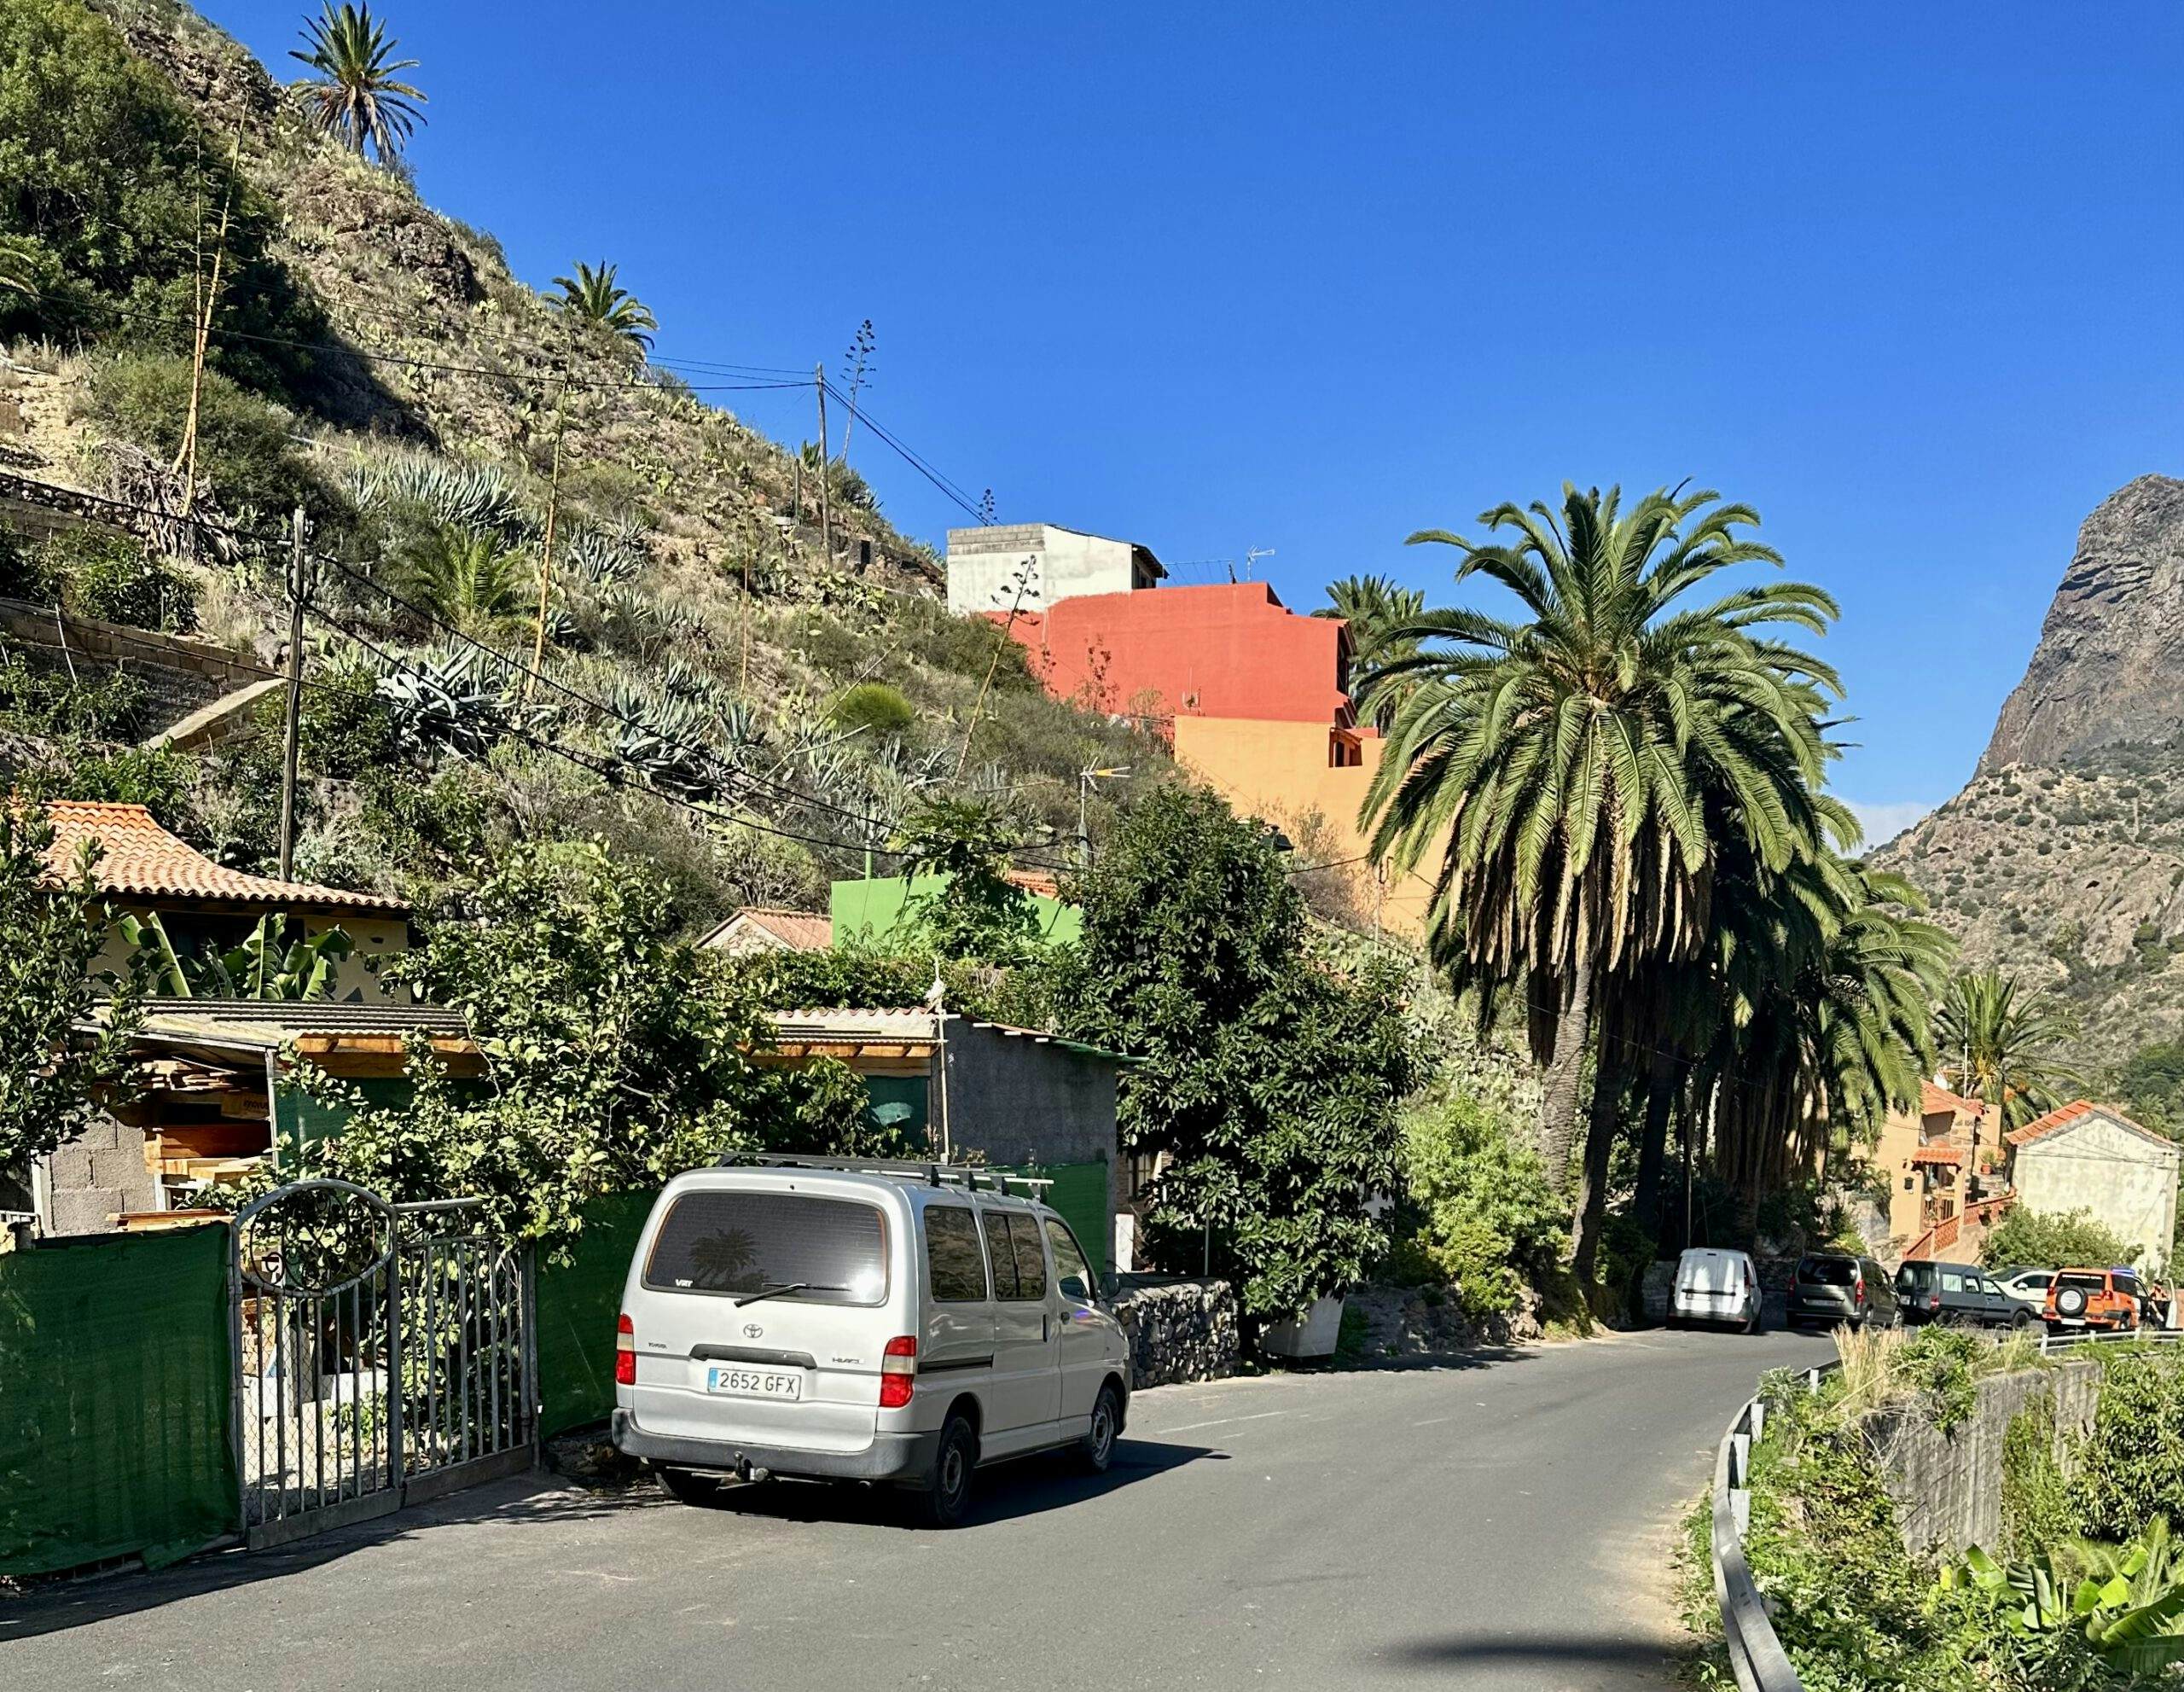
(950, 489)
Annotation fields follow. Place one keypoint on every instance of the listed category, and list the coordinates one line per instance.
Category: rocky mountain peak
(2107, 669)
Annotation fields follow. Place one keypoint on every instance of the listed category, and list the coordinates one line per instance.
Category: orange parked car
(2100, 1301)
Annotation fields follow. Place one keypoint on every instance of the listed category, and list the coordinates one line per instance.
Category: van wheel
(1096, 1449)
(689, 1488)
(947, 1499)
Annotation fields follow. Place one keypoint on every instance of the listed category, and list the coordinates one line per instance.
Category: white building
(1055, 564)
(2092, 1157)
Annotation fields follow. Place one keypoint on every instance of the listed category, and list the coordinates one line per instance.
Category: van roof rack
(930, 1170)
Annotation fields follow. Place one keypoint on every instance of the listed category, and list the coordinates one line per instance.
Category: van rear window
(833, 1251)
(1827, 1271)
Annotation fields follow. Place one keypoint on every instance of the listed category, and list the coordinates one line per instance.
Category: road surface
(1502, 1523)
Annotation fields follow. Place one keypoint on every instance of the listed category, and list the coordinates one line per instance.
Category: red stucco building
(1232, 650)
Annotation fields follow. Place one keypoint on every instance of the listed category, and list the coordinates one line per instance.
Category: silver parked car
(842, 1320)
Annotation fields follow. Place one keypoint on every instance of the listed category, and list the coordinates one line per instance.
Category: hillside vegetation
(379, 364)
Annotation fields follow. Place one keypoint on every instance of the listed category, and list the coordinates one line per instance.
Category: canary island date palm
(355, 95)
(592, 298)
(2005, 1046)
(1556, 769)
(1375, 607)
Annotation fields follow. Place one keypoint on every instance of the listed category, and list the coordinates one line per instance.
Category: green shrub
(1491, 1221)
(2036, 1496)
(157, 778)
(244, 451)
(873, 707)
(38, 699)
(344, 729)
(111, 577)
(2048, 1240)
(2131, 1464)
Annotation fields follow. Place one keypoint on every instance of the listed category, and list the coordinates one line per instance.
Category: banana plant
(2127, 1600)
(262, 967)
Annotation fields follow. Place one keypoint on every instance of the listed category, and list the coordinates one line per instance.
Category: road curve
(1500, 1524)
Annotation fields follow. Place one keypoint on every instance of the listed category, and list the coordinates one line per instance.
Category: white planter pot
(1313, 1338)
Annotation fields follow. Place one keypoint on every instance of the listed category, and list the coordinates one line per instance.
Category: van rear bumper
(890, 1457)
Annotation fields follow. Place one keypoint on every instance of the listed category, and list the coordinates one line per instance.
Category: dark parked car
(1833, 1288)
(1959, 1295)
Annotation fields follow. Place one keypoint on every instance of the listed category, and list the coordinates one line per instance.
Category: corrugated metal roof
(882, 1025)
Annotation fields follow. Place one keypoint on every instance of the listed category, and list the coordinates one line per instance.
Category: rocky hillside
(379, 364)
(2064, 858)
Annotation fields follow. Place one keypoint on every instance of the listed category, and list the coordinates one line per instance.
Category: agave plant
(600, 557)
(464, 495)
(663, 737)
(593, 298)
(461, 703)
(355, 95)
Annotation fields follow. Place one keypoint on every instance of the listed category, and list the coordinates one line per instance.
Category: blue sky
(1906, 278)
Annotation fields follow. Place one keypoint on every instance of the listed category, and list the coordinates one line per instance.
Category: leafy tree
(2151, 1086)
(52, 929)
(2005, 1046)
(104, 175)
(2049, 1240)
(974, 910)
(1270, 1085)
(1574, 777)
(1491, 1220)
(355, 95)
(617, 1057)
(464, 577)
(594, 299)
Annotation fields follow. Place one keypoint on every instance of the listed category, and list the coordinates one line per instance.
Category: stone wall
(1948, 1486)
(1179, 1330)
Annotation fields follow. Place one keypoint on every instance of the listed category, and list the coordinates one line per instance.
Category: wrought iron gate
(383, 1356)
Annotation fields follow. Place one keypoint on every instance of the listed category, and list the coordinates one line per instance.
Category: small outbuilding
(2092, 1157)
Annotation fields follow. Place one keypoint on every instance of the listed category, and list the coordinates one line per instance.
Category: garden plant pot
(1311, 1341)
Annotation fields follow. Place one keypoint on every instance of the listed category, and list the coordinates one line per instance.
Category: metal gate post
(533, 1409)
(397, 1425)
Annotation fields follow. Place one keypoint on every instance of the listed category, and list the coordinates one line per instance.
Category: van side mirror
(1111, 1284)
(1073, 1287)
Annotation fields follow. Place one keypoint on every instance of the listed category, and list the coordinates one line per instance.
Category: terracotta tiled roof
(1934, 1099)
(141, 860)
(1033, 881)
(2076, 1111)
(796, 930)
(1946, 1156)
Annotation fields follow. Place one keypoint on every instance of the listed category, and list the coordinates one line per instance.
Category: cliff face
(2063, 858)
(2109, 670)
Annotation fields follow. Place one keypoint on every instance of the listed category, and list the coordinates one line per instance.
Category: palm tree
(2005, 1047)
(1560, 768)
(355, 95)
(464, 578)
(592, 298)
(1375, 607)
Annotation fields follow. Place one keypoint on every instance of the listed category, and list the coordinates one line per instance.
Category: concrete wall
(2126, 1181)
(94, 1175)
(1947, 1487)
(1021, 1101)
(981, 564)
(1281, 771)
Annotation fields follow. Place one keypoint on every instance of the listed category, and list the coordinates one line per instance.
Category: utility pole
(295, 693)
(826, 465)
(546, 546)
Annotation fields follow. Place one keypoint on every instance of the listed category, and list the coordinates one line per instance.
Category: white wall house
(1056, 563)
(2093, 1157)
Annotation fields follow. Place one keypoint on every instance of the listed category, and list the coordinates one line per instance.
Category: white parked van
(1714, 1285)
(846, 1320)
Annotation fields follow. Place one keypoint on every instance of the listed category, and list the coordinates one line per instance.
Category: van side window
(953, 1263)
(1952, 1283)
(1071, 1273)
(1030, 1257)
(999, 1256)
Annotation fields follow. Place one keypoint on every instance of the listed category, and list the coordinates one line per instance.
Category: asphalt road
(1503, 1524)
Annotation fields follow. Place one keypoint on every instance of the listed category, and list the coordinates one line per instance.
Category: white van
(852, 1320)
(1714, 1285)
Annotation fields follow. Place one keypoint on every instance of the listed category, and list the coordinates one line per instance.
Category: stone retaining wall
(1947, 1487)
(1179, 1330)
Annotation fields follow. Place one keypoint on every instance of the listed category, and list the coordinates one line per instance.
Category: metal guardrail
(1756, 1654)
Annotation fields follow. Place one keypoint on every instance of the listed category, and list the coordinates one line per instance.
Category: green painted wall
(874, 906)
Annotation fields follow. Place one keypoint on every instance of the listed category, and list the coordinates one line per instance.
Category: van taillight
(625, 1352)
(1934, 1302)
(898, 1367)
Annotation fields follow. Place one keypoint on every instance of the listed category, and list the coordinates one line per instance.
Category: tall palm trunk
(1558, 1107)
(1591, 1207)
(1663, 1081)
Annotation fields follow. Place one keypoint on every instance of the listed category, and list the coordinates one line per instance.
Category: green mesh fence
(116, 1391)
(578, 1303)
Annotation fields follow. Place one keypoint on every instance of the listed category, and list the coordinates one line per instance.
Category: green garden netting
(116, 1392)
(578, 1303)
